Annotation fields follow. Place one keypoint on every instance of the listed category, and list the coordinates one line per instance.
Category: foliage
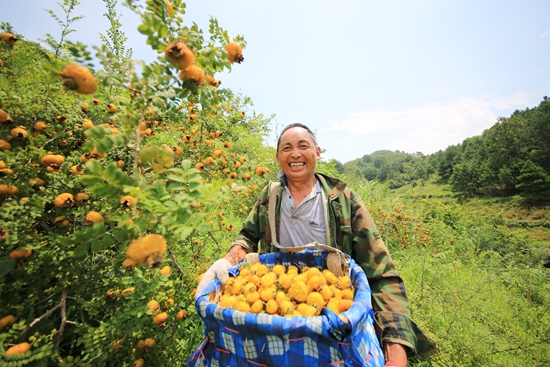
(141, 135)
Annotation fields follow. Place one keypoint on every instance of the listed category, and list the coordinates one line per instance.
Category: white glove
(218, 270)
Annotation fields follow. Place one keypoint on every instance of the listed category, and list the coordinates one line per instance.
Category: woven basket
(234, 338)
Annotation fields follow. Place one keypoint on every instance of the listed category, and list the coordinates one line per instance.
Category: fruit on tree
(79, 79)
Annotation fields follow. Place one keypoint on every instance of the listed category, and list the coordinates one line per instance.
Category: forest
(510, 158)
(100, 157)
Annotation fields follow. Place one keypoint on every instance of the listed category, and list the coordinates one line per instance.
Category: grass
(527, 221)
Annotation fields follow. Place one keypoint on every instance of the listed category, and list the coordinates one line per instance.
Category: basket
(235, 338)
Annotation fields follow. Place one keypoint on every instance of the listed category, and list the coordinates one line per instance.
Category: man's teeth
(296, 164)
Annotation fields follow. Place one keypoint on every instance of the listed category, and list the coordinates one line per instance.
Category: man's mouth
(297, 164)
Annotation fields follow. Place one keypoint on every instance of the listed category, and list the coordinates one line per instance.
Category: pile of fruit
(286, 291)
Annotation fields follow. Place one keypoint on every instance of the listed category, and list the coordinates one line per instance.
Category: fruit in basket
(286, 291)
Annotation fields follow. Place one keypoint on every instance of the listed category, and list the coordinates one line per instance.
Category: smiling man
(312, 207)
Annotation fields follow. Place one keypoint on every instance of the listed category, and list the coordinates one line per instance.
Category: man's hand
(218, 270)
(395, 355)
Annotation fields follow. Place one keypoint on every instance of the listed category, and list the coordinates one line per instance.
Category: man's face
(297, 154)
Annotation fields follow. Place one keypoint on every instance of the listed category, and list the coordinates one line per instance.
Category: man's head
(297, 153)
(297, 124)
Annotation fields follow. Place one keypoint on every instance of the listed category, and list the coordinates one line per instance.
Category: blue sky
(414, 76)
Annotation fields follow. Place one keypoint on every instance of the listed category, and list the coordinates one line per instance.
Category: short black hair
(297, 124)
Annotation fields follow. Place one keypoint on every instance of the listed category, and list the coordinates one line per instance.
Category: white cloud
(545, 33)
(426, 128)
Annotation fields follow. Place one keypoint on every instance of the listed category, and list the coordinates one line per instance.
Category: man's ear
(318, 152)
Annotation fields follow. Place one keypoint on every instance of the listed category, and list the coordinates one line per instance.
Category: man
(314, 207)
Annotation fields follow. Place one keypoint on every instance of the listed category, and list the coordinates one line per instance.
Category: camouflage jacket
(353, 231)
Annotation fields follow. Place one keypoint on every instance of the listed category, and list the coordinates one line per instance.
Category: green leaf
(88, 180)
(184, 232)
(80, 251)
(107, 241)
(7, 264)
(97, 246)
(94, 166)
(176, 178)
(176, 187)
(144, 29)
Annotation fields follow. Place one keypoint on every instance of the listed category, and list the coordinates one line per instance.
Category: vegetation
(113, 203)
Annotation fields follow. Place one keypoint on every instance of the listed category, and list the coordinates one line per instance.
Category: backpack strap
(337, 261)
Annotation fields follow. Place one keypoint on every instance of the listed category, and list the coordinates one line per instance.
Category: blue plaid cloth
(234, 338)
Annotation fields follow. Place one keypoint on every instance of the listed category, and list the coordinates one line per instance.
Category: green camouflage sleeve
(390, 302)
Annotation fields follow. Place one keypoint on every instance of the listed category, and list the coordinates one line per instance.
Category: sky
(414, 76)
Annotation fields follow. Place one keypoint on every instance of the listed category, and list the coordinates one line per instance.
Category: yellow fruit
(235, 52)
(182, 314)
(128, 292)
(36, 182)
(160, 318)
(111, 107)
(180, 55)
(252, 297)
(127, 201)
(87, 124)
(271, 307)
(314, 283)
(344, 305)
(166, 270)
(242, 305)
(60, 222)
(257, 306)
(330, 277)
(79, 79)
(267, 294)
(139, 363)
(147, 250)
(128, 264)
(316, 300)
(77, 169)
(212, 81)
(344, 282)
(306, 310)
(4, 145)
(192, 74)
(40, 126)
(227, 301)
(268, 280)
(9, 39)
(150, 343)
(21, 348)
(93, 217)
(326, 292)
(298, 291)
(285, 281)
(286, 308)
(112, 294)
(280, 296)
(81, 197)
(8, 190)
(347, 294)
(6, 321)
(152, 305)
(333, 305)
(64, 200)
(19, 132)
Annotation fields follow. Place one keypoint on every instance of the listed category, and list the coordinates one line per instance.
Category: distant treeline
(510, 158)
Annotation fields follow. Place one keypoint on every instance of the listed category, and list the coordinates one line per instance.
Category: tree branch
(177, 266)
(61, 304)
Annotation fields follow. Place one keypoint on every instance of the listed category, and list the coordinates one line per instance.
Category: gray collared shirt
(303, 224)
